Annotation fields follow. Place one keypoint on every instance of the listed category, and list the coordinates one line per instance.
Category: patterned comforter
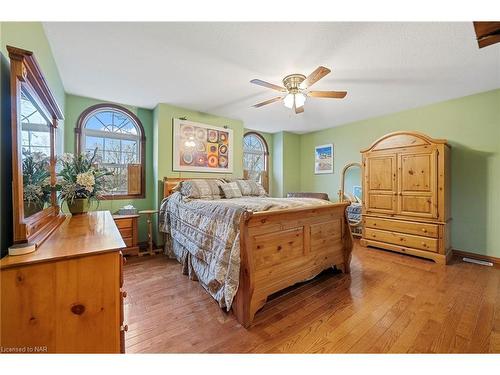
(203, 235)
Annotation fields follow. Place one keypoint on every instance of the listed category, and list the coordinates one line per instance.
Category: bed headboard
(169, 183)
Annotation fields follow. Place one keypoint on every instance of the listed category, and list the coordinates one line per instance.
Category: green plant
(81, 177)
(36, 178)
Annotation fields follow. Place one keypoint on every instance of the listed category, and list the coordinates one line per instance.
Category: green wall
(286, 153)
(30, 36)
(472, 126)
(277, 177)
(75, 105)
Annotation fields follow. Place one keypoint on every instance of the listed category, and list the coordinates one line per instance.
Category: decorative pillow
(201, 189)
(251, 187)
(231, 190)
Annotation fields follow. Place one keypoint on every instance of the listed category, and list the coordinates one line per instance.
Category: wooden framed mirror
(351, 190)
(34, 119)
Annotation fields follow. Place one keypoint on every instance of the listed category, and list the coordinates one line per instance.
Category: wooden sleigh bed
(284, 247)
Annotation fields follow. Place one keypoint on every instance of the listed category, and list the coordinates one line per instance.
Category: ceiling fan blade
(314, 77)
(328, 94)
(268, 85)
(267, 102)
(299, 110)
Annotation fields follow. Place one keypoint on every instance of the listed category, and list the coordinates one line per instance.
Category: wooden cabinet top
(80, 235)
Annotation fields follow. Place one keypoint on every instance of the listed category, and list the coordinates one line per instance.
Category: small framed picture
(323, 159)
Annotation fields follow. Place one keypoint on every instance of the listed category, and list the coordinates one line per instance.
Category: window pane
(254, 156)
(253, 143)
(111, 157)
(117, 137)
(91, 143)
(117, 184)
(129, 158)
(129, 146)
(40, 138)
(94, 124)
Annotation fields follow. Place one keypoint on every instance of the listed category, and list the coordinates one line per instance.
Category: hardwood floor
(391, 303)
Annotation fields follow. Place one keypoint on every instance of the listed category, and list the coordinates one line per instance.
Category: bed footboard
(282, 248)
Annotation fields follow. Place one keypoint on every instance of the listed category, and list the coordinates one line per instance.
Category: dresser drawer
(129, 242)
(419, 229)
(407, 240)
(124, 223)
(126, 232)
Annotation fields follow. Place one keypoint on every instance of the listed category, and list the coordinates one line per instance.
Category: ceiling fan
(296, 90)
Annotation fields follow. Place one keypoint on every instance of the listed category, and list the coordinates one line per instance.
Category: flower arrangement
(81, 179)
(36, 180)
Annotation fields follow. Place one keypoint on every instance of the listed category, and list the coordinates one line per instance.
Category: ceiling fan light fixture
(288, 100)
(298, 99)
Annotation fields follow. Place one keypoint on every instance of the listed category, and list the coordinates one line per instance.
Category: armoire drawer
(406, 240)
(419, 229)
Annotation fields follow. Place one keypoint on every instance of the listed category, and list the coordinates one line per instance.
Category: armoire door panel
(417, 183)
(416, 172)
(381, 172)
(380, 183)
(416, 205)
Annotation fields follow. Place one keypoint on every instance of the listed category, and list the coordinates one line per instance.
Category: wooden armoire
(406, 195)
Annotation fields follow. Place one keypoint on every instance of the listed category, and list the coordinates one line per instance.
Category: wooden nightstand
(127, 225)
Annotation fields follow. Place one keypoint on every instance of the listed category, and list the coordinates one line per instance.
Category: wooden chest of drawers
(66, 297)
(127, 225)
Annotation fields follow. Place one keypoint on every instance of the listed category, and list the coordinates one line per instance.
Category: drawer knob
(78, 309)
(424, 230)
(124, 328)
(424, 244)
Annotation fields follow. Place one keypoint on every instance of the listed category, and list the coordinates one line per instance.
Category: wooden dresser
(128, 227)
(406, 184)
(66, 297)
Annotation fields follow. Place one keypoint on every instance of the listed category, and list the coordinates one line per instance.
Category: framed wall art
(323, 159)
(200, 147)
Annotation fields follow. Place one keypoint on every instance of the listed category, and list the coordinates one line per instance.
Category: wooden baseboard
(494, 260)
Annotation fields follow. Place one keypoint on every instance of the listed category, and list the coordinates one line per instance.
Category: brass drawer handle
(124, 328)
(424, 230)
(424, 244)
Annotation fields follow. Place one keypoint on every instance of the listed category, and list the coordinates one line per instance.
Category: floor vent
(477, 261)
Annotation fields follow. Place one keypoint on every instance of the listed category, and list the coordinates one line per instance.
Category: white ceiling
(385, 67)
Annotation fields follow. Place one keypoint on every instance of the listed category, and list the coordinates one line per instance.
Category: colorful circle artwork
(213, 136)
(201, 134)
(187, 157)
(223, 161)
(212, 148)
(223, 149)
(212, 161)
(200, 146)
(201, 160)
(187, 131)
(223, 136)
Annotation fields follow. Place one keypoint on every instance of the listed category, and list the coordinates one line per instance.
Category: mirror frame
(25, 73)
(342, 192)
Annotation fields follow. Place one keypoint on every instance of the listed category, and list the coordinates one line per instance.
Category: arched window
(119, 138)
(255, 158)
